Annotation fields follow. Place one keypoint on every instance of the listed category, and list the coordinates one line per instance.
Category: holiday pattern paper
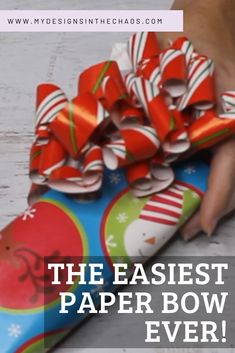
(116, 225)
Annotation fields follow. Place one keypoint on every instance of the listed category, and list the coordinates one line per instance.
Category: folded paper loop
(42, 135)
(228, 104)
(34, 165)
(142, 46)
(150, 70)
(185, 46)
(97, 80)
(44, 159)
(77, 122)
(174, 72)
(143, 118)
(136, 143)
(201, 86)
(149, 177)
(50, 100)
(126, 113)
(74, 177)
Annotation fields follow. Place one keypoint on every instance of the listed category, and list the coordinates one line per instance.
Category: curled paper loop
(173, 81)
(142, 118)
(129, 148)
(149, 177)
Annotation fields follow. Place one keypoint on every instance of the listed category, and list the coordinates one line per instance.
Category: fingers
(191, 228)
(220, 197)
(220, 186)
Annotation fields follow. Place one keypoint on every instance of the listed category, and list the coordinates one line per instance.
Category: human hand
(210, 26)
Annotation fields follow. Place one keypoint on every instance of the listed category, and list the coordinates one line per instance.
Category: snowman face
(143, 238)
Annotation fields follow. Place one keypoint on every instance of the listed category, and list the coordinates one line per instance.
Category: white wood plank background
(26, 60)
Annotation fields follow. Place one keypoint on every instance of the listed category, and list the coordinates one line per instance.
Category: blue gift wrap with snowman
(116, 225)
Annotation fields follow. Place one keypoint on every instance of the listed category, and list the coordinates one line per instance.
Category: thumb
(220, 186)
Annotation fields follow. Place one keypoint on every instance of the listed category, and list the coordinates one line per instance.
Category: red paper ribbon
(165, 106)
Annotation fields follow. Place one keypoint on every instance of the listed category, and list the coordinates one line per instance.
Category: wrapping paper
(122, 226)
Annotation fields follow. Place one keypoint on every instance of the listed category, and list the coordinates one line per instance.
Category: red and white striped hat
(165, 207)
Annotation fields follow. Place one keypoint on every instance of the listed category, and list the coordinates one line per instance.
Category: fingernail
(190, 233)
(211, 228)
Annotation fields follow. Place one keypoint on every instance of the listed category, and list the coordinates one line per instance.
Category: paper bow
(141, 120)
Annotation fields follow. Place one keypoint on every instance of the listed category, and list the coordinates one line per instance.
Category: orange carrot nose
(151, 240)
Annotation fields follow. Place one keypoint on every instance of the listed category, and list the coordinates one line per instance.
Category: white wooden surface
(26, 60)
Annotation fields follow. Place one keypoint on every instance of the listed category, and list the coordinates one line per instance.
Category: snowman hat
(165, 207)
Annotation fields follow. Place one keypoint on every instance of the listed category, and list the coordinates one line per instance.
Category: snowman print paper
(138, 228)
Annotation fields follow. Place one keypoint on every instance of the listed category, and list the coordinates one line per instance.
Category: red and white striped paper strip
(201, 85)
(49, 156)
(228, 104)
(97, 80)
(185, 46)
(44, 159)
(173, 72)
(150, 70)
(135, 143)
(142, 46)
(50, 101)
(72, 178)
